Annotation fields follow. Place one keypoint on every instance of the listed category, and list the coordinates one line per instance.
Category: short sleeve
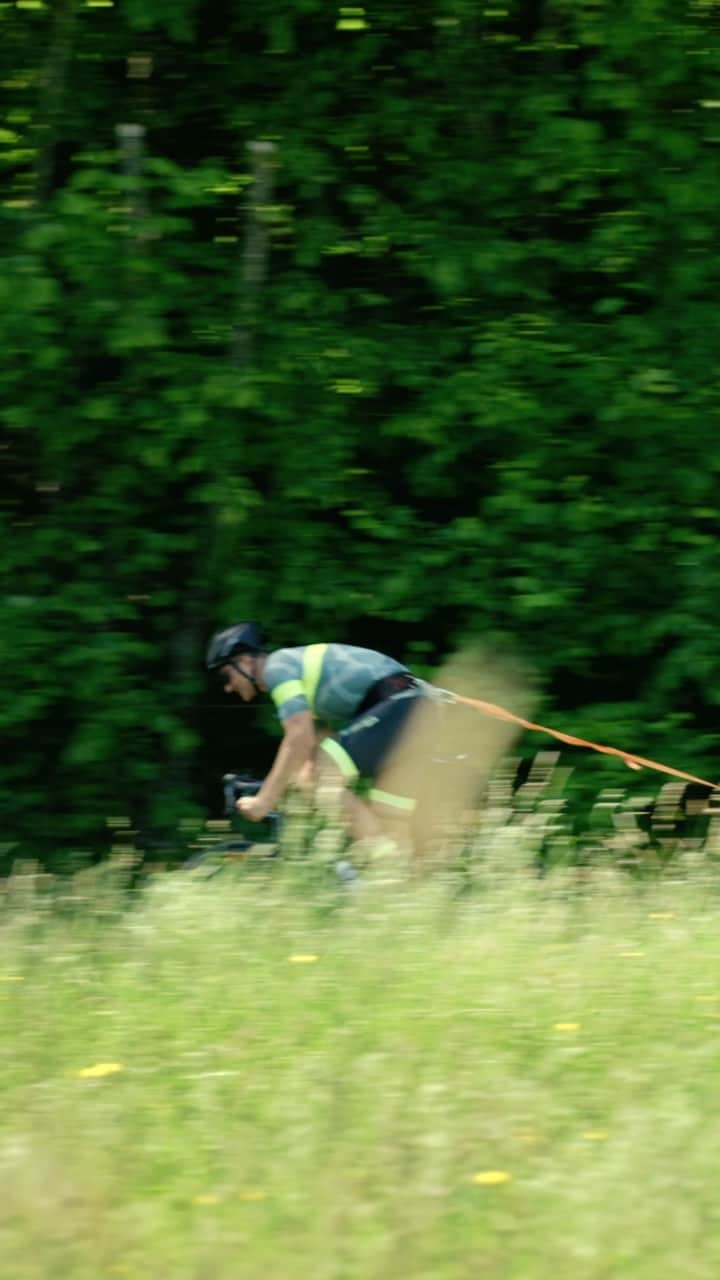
(283, 677)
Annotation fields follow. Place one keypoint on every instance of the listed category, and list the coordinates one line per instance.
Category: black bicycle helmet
(243, 637)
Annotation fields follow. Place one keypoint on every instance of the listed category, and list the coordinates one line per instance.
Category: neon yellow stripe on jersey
(313, 659)
(288, 689)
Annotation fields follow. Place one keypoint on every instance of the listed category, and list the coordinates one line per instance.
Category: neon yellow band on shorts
(288, 689)
(339, 755)
(395, 802)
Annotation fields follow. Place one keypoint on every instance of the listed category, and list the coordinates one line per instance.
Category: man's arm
(295, 750)
(307, 777)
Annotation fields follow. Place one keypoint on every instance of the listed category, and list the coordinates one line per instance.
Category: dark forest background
(396, 325)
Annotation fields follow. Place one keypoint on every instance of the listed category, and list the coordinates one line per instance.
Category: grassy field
(248, 1077)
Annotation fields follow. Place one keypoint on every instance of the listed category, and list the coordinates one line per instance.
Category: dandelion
(253, 1194)
(302, 959)
(99, 1069)
(631, 955)
(567, 1026)
(595, 1135)
(205, 1198)
(491, 1177)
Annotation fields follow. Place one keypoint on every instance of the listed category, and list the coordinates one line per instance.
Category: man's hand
(253, 808)
(295, 749)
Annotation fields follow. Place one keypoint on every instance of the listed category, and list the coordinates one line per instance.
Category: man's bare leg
(363, 823)
(340, 804)
(373, 827)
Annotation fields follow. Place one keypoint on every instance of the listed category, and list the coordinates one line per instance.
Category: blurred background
(395, 325)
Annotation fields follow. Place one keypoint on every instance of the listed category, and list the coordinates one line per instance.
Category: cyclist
(345, 710)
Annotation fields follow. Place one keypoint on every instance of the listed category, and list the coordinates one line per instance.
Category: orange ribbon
(632, 761)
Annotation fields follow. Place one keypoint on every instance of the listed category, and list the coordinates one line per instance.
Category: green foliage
(455, 372)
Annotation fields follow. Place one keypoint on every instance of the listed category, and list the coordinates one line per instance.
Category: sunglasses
(221, 673)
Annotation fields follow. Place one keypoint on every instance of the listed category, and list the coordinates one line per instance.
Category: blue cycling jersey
(346, 675)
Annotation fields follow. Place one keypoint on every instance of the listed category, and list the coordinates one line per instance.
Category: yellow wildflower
(302, 959)
(98, 1070)
(491, 1177)
(567, 1026)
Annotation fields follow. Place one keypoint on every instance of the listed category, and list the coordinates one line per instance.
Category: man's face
(234, 678)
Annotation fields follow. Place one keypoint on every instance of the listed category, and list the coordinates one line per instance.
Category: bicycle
(226, 848)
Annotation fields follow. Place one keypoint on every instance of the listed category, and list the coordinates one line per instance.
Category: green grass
(327, 1117)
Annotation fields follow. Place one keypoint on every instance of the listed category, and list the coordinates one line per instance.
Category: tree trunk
(253, 267)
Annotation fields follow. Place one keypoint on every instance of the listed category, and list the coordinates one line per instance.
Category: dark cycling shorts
(364, 745)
